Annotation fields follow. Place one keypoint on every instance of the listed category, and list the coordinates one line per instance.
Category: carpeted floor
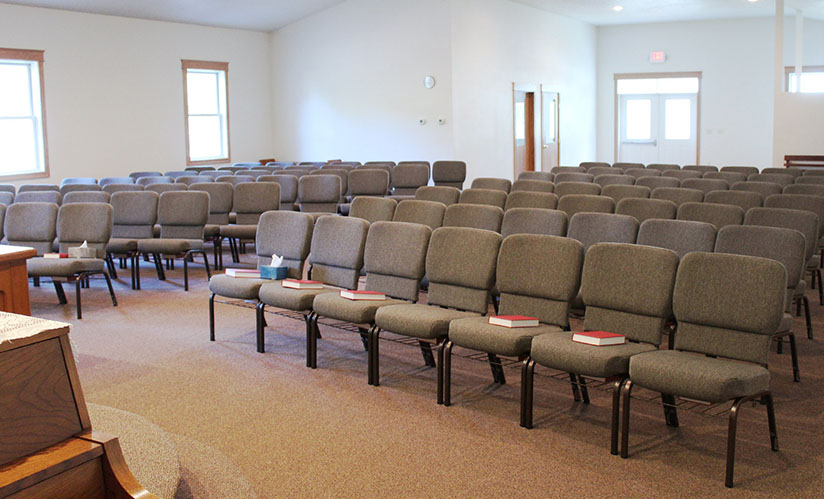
(247, 424)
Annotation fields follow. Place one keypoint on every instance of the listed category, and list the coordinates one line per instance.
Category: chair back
(233, 179)
(39, 197)
(183, 214)
(500, 184)
(221, 200)
(567, 188)
(319, 193)
(179, 173)
(288, 189)
(611, 179)
(743, 199)
(663, 167)
(112, 188)
(805, 222)
(489, 197)
(794, 172)
(596, 171)
(781, 179)
(628, 166)
(368, 182)
(642, 172)
(680, 236)
(645, 209)
(594, 228)
(677, 195)
(808, 178)
(442, 194)
(134, 214)
(814, 204)
(86, 197)
(407, 177)
(38, 188)
(78, 180)
(475, 216)
(395, 258)
(765, 189)
(336, 256)
(161, 188)
(810, 189)
(67, 188)
(154, 179)
(568, 169)
(8, 188)
(373, 209)
(586, 165)
(251, 199)
(545, 176)
(193, 179)
(429, 213)
(137, 175)
(449, 173)
(719, 215)
(31, 224)
(573, 177)
(343, 174)
(529, 199)
(287, 234)
(700, 168)
(705, 185)
(579, 203)
(746, 170)
(619, 191)
(730, 177)
(211, 173)
(84, 222)
(534, 221)
(681, 174)
(6, 198)
(532, 185)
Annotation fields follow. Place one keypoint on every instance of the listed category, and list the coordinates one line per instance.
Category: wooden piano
(47, 445)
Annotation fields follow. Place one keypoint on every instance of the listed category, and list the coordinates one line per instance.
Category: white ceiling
(268, 15)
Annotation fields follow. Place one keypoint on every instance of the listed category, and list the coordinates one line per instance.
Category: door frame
(640, 76)
(548, 88)
(536, 127)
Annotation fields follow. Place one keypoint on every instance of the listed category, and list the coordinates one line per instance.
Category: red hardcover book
(55, 255)
(350, 294)
(243, 273)
(513, 321)
(599, 338)
(301, 284)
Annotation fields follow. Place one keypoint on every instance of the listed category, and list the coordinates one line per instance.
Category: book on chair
(301, 284)
(55, 255)
(599, 338)
(362, 295)
(243, 273)
(513, 321)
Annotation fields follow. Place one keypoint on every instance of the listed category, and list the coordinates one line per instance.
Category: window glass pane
(205, 137)
(639, 119)
(678, 86)
(678, 120)
(635, 86)
(15, 93)
(550, 129)
(202, 91)
(18, 146)
(520, 121)
(812, 82)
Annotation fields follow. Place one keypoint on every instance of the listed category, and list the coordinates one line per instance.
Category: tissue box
(78, 252)
(269, 272)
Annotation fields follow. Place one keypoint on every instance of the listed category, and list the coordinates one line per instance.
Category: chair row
(663, 167)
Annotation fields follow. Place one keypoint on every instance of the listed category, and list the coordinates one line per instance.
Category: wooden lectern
(47, 446)
(14, 279)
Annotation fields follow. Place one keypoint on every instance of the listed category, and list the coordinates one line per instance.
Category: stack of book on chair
(301, 284)
(243, 273)
(599, 338)
(513, 321)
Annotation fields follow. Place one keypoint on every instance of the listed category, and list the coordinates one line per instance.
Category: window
(206, 108)
(678, 119)
(639, 119)
(23, 152)
(812, 80)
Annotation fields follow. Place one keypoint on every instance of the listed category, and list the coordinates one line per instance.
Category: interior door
(658, 128)
(638, 141)
(549, 130)
(524, 126)
(677, 132)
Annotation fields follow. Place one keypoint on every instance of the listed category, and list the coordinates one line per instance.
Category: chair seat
(233, 287)
(558, 351)
(696, 376)
(239, 231)
(210, 231)
(419, 321)
(168, 246)
(476, 333)
(62, 267)
(272, 293)
(119, 245)
(355, 311)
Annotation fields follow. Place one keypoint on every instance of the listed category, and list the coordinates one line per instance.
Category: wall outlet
(421, 121)
(442, 121)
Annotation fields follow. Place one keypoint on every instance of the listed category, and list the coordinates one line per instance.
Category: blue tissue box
(269, 272)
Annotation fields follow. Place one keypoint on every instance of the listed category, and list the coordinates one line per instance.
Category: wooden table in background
(14, 279)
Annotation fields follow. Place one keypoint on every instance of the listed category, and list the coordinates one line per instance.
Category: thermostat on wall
(657, 56)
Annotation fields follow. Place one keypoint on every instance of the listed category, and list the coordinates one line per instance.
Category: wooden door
(524, 131)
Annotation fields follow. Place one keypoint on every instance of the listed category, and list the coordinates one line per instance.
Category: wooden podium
(48, 446)
(14, 279)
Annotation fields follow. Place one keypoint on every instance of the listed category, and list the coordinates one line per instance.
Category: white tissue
(85, 244)
(277, 261)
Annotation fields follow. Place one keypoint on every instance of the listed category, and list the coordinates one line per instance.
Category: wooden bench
(803, 161)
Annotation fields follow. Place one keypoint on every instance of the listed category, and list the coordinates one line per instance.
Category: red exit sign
(657, 56)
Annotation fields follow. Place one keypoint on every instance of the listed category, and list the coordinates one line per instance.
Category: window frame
(790, 70)
(39, 57)
(186, 65)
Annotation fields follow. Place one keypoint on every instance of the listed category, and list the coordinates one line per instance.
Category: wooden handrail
(792, 161)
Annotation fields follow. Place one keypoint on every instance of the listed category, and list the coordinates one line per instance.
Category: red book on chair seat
(243, 273)
(599, 338)
(513, 321)
(55, 255)
(301, 284)
(362, 295)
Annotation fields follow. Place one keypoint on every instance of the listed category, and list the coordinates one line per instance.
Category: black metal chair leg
(186, 272)
(798, 307)
(440, 374)
(61, 295)
(364, 336)
(626, 393)
(78, 284)
(260, 323)
(767, 400)
(376, 373)
(206, 264)
(584, 391)
(161, 274)
(447, 373)
(111, 289)
(733, 424)
(670, 412)
(806, 302)
(311, 342)
(136, 266)
(35, 281)
(794, 357)
(616, 413)
(497, 370)
(527, 380)
(426, 351)
(573, 381)
(211, 317)
(820, 287)
(370, 333)
(779, 345)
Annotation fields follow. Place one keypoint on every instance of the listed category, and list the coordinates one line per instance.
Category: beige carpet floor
(247, 424)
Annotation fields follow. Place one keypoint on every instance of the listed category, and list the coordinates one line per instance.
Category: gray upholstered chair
(555, 170)
(38, 188)
(31, 224)
(743, 199)
(705, 185)
(578, 203)
(612, 179)
(78, 180)
(449, 173)
(677, 195)
(153, 179)
(489, 197)
(530, 199)
(604, 170)
(586, 165)
(545, 295)
(394, 259)
(810, 189)
(812, 172)
(6, 198)
(619, 192)
(319, 193)
(680, 236)
(786, 246)
(8, 188)
(193, 179)
(645, 209)
(681, 174)
(199, 169)
(641, 172)
(781, 179)
(77, 223)
(570, 176)
(133, 217)
(532, 185)
(724, 333)
(460, 266)
(178, 173)
(373, 209)
(161, 188)
(2, 219)
(67, 188)
(627, 290)
(476, 216)
(232, 179)
(729, 177)
(567, 188)
(212, 173)
(103, 182)
(534, 221)
(545, 176)
(810, 179)
(765, 189)
(288, 189)
(137, 175)
(747, 170)
(407, 177)
(368, 182)
(39, 197)
(235, 167)
(719, 215)
(500, 184)
(286, 234)
(182, 216)
(442, 194)
(627, 166)
(86, 197)
(664, 167)
(594, 228)
(655, 182)
(700, 168)
(221, 202)
(112, 188)
(344, 179)
(429, 213)
(794, 172)
(335, 259)
(249, 202)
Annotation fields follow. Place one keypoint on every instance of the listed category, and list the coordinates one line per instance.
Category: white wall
(114, 90)
(736, 59)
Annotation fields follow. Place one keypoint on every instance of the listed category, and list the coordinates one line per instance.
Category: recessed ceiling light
(752, 1)
(619, 8)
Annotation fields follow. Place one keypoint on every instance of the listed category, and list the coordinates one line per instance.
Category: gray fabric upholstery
(573, 177)
(641, 172)
(429, 213)
(368, 182)
(287, 234)
(442, 194)
(340, 173)
(592, 228)
(161, 188)
(680, 175)
(805, 222)
(319, 193)
(794, 172)
(31, 224)
(138, 175)
(67, 188)
(221, 195)
(728, 305)
(357, 312)
(395, 258)
(813, 204)
(449, 173)
(500, 184)
(38, 188)
(612, 179)
(545, 176)
(534, 221)
(645, 209)
(810, 179)
(84, 222)
(605, 170)
(53, 197)
(720, 215)
(677, 195)
(6, 198)
(728, 176)
(705, 185)
(373, 209)
(86, 197)
(783, 245)
(418, 321)
(589, 164)
(78, 180)
(475, 216)
(182, 217)
(252, 199)
(580, 203)
(533, 185)
(407, 177)
(490, 197)
(272, 293)
(747, 170)
(337, 249)
(232, 179)
(680, 236)
(558, 351)
(810, 189)
(777, 178)
(288, 189)
(700, 168)
(112, 188)
(63, 267)
(743, 199)
(476, 333)
(153, 179)
(103, 182)
(193, 179)
(627, 166)
(134, 214)
(231, 287)
(619, 192)
(765, 189)
(529, 199)
(663, 167)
